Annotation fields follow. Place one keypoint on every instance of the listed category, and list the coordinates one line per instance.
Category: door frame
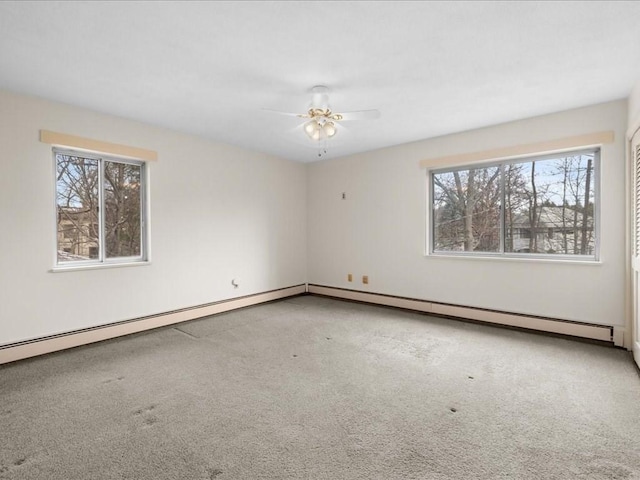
(633, 261)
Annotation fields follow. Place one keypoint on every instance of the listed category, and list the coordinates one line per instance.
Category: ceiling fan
(321, 123)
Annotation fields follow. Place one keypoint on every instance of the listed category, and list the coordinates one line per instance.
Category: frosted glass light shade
(311, 127)
(319, 129)
(329, 129)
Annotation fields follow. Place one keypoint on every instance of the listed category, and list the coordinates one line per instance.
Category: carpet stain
(16, 465)
(429, 351)
(148, 419)
(294, 356)
(144, 410)
(328, 338)
(213, 473)
(109, 380)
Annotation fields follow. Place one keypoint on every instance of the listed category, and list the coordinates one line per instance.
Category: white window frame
(102, 261)
(502, 254)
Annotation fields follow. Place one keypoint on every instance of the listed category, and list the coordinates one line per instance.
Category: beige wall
(220, 212)
(379, 229)
(217, 213)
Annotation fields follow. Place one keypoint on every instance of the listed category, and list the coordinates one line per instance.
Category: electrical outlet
(365, 279)
(349, 277)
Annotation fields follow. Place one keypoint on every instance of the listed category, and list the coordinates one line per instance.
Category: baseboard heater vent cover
(550, 325)
(40, 346)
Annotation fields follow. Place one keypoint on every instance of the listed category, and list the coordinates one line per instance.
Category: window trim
(102, 261)
(99, 147)
(501, 254)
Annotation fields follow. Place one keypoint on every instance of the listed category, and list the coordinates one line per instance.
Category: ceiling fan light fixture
(311, 128)
(317, 129)
(321, 123)
(329, 129)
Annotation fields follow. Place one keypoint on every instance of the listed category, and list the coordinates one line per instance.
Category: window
(538, 206)
(100, 209)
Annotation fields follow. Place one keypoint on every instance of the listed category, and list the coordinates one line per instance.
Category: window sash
(501, 164)
(102, 258)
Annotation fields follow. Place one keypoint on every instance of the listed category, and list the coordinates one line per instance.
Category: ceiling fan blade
(359, 115)
(289, 114)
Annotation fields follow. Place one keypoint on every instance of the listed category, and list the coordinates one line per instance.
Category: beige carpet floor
(315, 388)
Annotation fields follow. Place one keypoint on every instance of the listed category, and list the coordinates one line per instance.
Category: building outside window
(539, 206)
(100, 209)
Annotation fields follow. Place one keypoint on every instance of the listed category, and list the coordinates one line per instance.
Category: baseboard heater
(40, 346)
(550, 325)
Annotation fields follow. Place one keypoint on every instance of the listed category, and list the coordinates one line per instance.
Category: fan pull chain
(322, 148)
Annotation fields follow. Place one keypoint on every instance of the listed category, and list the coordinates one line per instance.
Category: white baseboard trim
(32, 348)
(563, 327)
(618, 336)
(387, 300)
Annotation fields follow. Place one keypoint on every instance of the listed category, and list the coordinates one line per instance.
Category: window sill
(492, 258)
(97, 266)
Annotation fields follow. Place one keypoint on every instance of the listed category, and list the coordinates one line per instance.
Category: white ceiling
(213, 68)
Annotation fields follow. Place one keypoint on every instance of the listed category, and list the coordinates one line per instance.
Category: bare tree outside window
(541, 206)
(77, 187)
(122, 209)
(552, 195)
(99, 209)
(466, 205)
